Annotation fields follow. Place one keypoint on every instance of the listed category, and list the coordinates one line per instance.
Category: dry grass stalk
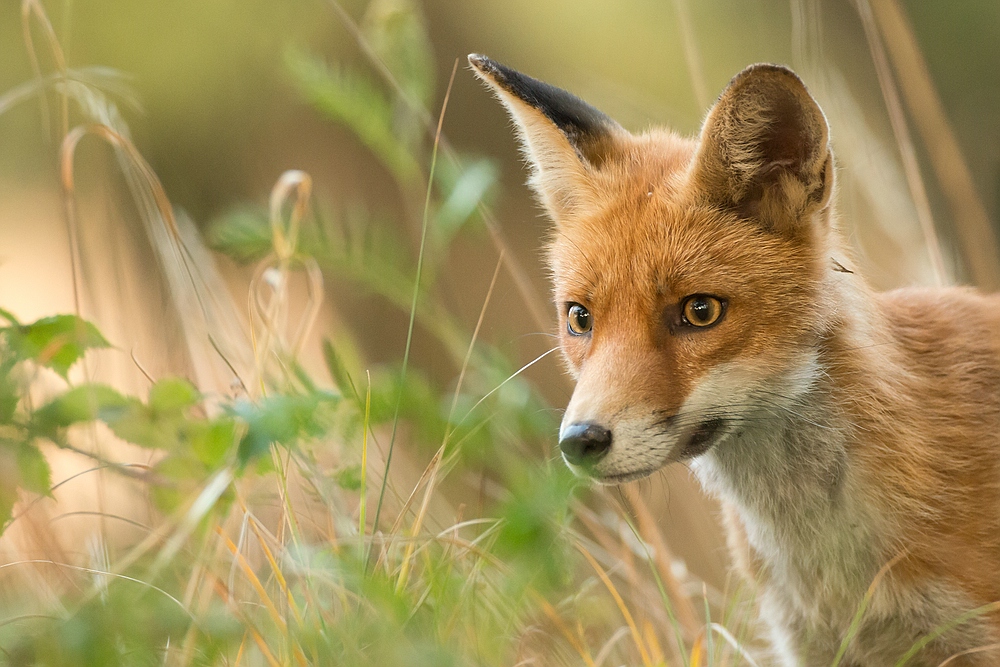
(692, 57)
(650, 532)
(971, 221)
(903, 139)
(640, 644)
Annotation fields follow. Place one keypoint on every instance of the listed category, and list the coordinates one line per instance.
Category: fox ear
(764, 149)
(564, 139)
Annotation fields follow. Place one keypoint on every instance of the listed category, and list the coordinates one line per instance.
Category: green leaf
(338, 372)
(349, 478)
(351, 99)
(243, 234)
(127, 417)
(56, 342)
(397, 32)
(22, 465)
(137, 424)
(472, 185)
(10, 392)
(275, 419)
(172, 396)
(36, 476)
(7, 315)
(212, 440)
(80, 404)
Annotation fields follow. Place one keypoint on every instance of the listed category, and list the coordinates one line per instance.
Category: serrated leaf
(80, 404)
(127, 417)
(172, 395)
(137, 424)
(276, 419)
(56, 342)
(36, 476)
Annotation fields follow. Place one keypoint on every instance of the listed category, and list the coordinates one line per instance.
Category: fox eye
(702, 310)
(578, 320)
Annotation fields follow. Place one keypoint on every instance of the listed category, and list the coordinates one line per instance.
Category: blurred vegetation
(283, 529)
(514, 575)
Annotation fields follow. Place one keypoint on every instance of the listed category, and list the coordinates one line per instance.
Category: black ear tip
(499, 74)
(482, 64)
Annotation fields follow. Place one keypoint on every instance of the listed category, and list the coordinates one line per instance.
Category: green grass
(354, 514)
(284, 531)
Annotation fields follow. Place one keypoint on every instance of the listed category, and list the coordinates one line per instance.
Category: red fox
(709, 314)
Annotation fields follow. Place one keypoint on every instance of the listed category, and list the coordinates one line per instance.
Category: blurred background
(222, 97)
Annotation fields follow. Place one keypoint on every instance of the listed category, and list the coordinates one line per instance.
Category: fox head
(688, 273)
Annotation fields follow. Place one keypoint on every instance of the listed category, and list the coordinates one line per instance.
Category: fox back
(710, 313)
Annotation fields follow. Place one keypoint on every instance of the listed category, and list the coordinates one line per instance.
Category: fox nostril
(585, 444)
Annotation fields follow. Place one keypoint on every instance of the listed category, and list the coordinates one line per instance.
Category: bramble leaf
(36, 476)
(10, 393)
(279, 420)
(157, 426)
(172, 395)
(211, 441)
(21, 466)
(80, 404)
(56, 342)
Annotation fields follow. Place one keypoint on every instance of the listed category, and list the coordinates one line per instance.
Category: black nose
(585, 444)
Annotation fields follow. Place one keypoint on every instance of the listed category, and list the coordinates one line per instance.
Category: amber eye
(578, 320)
(702, 310)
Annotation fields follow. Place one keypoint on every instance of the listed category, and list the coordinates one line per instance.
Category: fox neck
(788, 470)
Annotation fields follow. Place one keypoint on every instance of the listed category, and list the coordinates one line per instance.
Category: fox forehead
(648, 236)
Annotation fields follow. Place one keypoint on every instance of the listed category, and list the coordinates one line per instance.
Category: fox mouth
(697, 442)
(701, 439)
(623, 478)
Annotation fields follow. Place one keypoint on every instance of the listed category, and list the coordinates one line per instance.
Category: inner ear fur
(764, 150)
(564, 139)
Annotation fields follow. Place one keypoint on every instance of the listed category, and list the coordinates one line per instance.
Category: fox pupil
(701, 310)
(579, 320)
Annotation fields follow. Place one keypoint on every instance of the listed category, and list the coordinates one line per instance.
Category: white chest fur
(820, 541)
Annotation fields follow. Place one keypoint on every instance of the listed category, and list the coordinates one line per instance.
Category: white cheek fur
(731, 391)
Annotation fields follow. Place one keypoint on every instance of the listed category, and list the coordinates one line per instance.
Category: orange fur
(841, 428)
